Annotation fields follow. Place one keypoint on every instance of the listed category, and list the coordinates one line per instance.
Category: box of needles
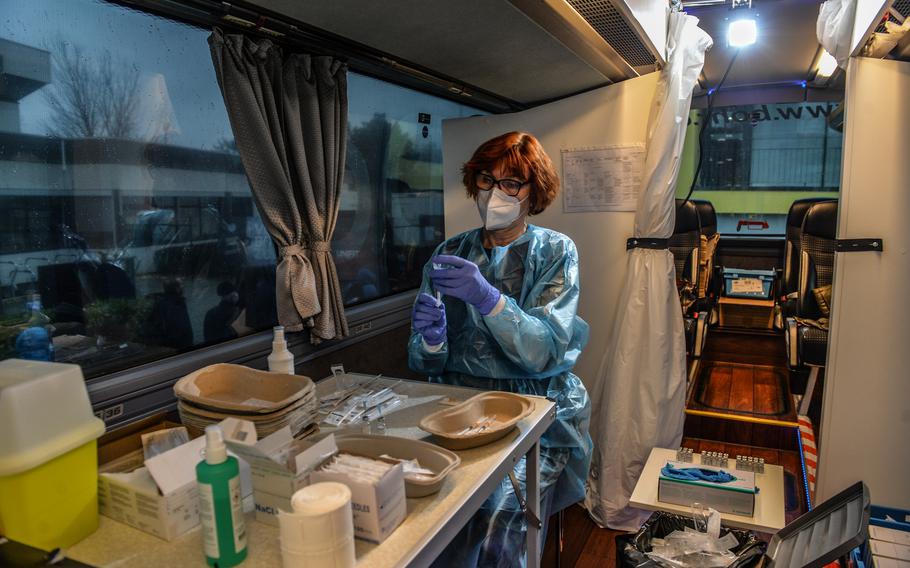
(280, 465)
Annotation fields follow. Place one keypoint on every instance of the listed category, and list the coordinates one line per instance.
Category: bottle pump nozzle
(215, 450)
(280, 360)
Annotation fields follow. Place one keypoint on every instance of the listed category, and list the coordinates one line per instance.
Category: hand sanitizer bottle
(280, 360)
(35, 342)
(220, 510)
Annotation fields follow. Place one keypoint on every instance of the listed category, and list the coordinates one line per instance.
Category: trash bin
(631, 548)
(827, 533)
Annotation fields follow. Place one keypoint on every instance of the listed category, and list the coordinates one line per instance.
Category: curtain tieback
(320, 246)
(315, 246)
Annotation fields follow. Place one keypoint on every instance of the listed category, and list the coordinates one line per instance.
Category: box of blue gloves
(726, 491)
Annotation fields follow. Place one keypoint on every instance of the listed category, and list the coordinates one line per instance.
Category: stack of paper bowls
(270, 400)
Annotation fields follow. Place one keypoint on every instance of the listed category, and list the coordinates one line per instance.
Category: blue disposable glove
(696, 474)
(429, 319)
(465, 282)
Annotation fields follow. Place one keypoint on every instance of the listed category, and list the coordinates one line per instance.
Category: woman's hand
(429, 319)
(465, 282)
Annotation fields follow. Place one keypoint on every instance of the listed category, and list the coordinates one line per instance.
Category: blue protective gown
(529, 347)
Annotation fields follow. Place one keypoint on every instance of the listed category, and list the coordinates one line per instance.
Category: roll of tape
(319, 527)
(320, 498)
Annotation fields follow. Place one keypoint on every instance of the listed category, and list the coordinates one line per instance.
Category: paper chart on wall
(602, 179)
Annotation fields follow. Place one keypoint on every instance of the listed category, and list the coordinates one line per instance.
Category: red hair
(517, 154)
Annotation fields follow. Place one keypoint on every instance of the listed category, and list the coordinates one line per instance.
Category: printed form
(602, 179)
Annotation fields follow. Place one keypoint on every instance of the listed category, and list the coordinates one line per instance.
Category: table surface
(769, 503)
(116, 544)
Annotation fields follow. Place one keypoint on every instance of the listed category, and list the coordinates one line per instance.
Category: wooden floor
(748, 348)
(585, 545)
(747, 390)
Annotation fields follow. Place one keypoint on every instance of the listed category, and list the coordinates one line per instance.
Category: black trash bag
(631, 548)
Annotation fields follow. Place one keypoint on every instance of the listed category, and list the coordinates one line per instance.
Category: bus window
(124, 205)
(760, 158)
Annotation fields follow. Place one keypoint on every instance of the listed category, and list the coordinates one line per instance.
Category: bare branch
(90, 98)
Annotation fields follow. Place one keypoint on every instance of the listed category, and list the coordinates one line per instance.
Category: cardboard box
(736, 497)
(378, 509)
(889, 535)
(890, 550)
(160, 497)
(280, 465)
(885, 562)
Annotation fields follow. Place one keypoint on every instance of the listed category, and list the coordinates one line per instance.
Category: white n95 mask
(497, 209)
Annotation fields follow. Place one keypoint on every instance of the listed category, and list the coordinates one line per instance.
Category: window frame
(137, 392)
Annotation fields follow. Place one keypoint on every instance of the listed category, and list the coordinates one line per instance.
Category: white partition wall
(865, 427)
(614, 115)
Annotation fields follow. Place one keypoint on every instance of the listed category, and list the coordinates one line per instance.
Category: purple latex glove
(429, 319)
(465, 282)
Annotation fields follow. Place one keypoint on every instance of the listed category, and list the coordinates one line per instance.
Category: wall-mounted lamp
(742, 33)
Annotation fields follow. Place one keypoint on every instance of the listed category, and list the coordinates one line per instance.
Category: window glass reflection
(127, 229)
(125, 212)
(391, 216)
(759, 158)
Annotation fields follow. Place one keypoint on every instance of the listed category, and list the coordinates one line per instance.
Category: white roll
(320, 530)
(320, 498)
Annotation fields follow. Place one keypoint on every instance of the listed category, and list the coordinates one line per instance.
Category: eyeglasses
(510, 186)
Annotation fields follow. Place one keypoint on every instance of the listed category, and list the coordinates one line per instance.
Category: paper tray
(240, 389)
(504, 409)
(298, 420)
(430, 456)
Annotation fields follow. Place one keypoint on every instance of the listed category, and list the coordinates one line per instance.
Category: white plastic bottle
(280, 360)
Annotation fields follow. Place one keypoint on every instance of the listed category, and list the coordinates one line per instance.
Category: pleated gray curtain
(289, 112)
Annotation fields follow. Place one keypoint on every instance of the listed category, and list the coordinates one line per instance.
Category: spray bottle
(280, 360)
(220, 510)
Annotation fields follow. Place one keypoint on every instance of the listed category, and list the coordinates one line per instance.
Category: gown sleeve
(538, 339)
(420, 358)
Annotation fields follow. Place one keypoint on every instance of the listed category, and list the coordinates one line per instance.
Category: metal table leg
(533, 498)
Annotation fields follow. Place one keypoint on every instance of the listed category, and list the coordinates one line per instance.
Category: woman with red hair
(507, 321)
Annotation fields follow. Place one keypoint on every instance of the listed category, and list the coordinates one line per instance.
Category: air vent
(902, 7)
(609, 23)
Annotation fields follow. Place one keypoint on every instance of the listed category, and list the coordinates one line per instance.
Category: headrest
(686, 218)
(706, 214)
(821, 220)
(798, 210)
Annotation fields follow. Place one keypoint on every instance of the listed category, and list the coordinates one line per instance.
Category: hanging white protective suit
(834, 28)
(639, 395)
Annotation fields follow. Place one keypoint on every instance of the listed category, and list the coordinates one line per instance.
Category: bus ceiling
(508, 55)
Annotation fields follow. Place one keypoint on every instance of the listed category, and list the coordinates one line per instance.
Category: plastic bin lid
(825, 533)
(44, 413)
